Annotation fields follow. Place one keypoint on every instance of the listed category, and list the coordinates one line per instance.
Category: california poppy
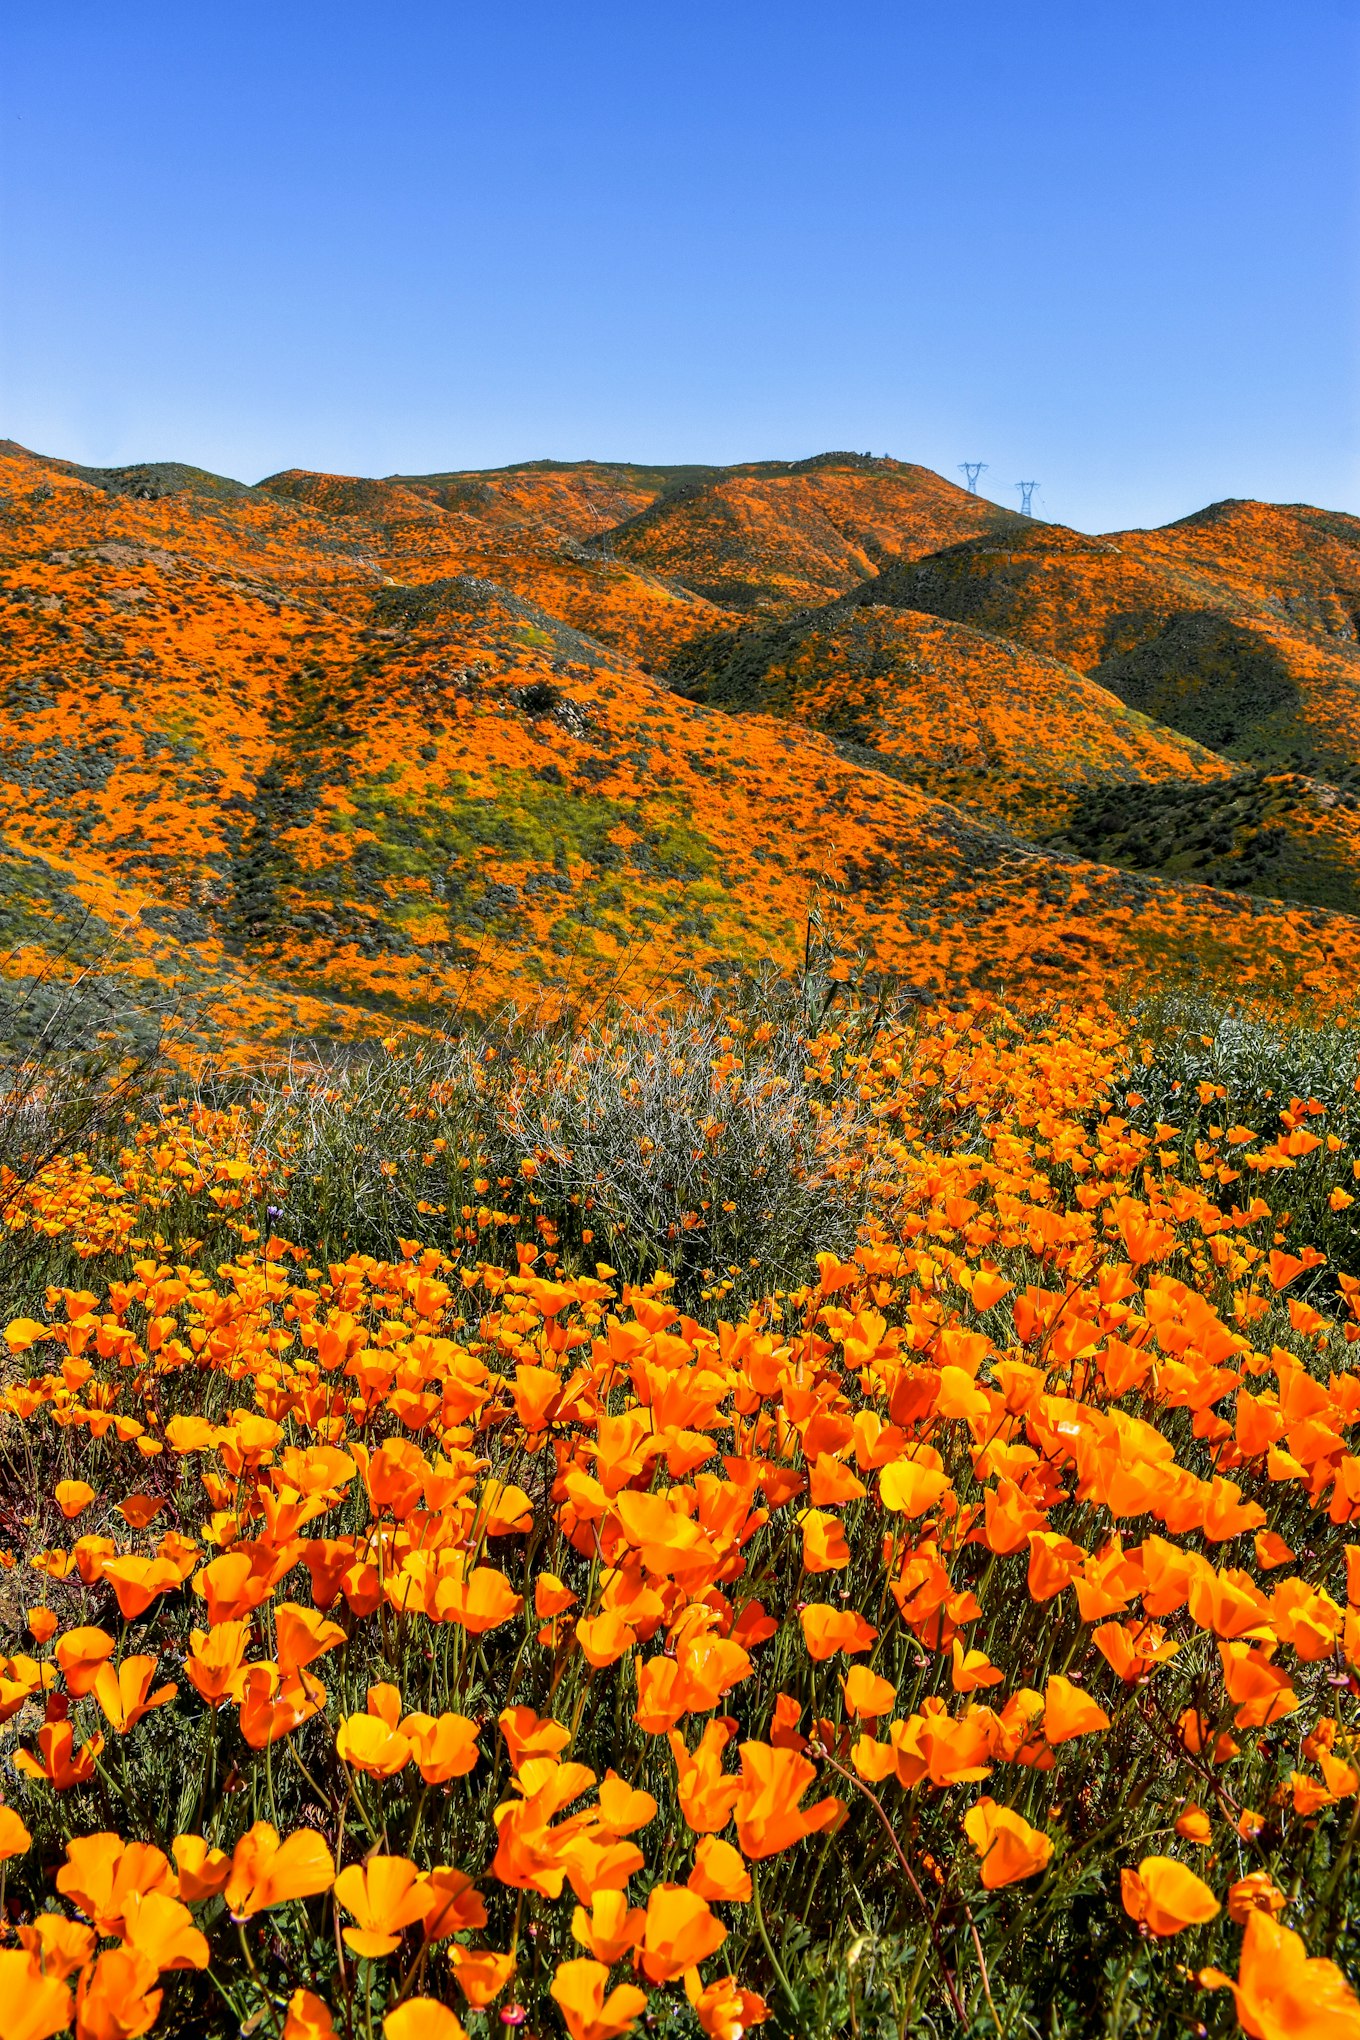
(443, 1746)
(1068, 1712)
(15, 1840)
(267, 1872)
(203, 1870)
(80, 1653)
(58, 1760)
(385, 1894)
(481, 1973)
(611, 1929)
(827, 1630)
(680, 1932)
(216, 1657)
(36, 2005)
(1009, 1847)
(117, 1997)
(125, 1695)
(307, 2018)
(719, 1871)
(724, 2010)
(1162, 1895)
(162, 1929)
(102, 1873)
(422, 2018)
(579, 1989)
(1282, 1993)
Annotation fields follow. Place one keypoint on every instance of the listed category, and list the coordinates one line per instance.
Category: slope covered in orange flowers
(328, 752)
(770, 536)
(968, 715)
(1237, 626)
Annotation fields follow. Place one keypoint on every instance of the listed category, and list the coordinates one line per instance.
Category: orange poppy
(80, 1653)
(62, 1946)
(216, 1657)
(102, 1873)
(273, 1706)
(267, 1872)
(610, 1929)
(116, 2000)
(867, 1696)
(827, 1629)
(680, 1932)
(1283, 1994)
(604, 1638)
(719, 1871)
(307, 2018)
(1165, 1897)
(526, 1735)
(203, 1871)
(443, 1746)
(137, 1582)
(768, 1814)
(579, 1988)
(1256, 1892)
(908, 1488)
(1068, 1712)
(452, 1904)
(367, 1744)
(422, 2018)
(162, 1929)
(15, 1840)
(824, 1545)
(1009, 1847)
(971, 1669)
(385, 1894)
(58, 1760)
(125, 1695)
(724, 2010)
(481, 1974)
(301, 1636)
(36, 2006)
(139, 1510)
(706, 1793)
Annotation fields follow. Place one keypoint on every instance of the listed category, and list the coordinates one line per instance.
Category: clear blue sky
(1108, 244)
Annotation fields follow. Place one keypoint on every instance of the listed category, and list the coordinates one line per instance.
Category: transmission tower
(972, 468)
(1026, 497)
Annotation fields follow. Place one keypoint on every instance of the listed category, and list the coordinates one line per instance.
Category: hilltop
(327, 752)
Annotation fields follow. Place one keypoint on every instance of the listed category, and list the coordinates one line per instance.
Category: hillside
(972, 717)
(765, 537)
(1236, 627)
(327, 753)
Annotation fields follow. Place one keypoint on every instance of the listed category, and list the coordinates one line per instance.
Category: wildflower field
(837, 1520)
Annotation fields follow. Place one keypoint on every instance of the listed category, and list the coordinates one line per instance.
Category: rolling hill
(1237, 626)
(314, 756)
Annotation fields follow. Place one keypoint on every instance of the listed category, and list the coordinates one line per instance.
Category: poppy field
(870, 1545)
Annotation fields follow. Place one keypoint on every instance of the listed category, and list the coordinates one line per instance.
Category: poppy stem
(982, 1967)
(908, 1872)
(765, 1938)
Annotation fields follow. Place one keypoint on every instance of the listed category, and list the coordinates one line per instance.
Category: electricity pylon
(1026, 497)
(972, 468)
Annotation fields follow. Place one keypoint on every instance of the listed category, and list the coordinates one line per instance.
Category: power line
(1026, 497)
(972, 468)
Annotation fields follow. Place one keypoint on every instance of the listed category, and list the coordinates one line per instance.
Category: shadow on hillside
(1208, 676)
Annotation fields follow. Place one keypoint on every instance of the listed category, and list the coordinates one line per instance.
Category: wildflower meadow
(840, 1523)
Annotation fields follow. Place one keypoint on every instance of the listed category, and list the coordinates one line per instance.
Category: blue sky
(1107, 244)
